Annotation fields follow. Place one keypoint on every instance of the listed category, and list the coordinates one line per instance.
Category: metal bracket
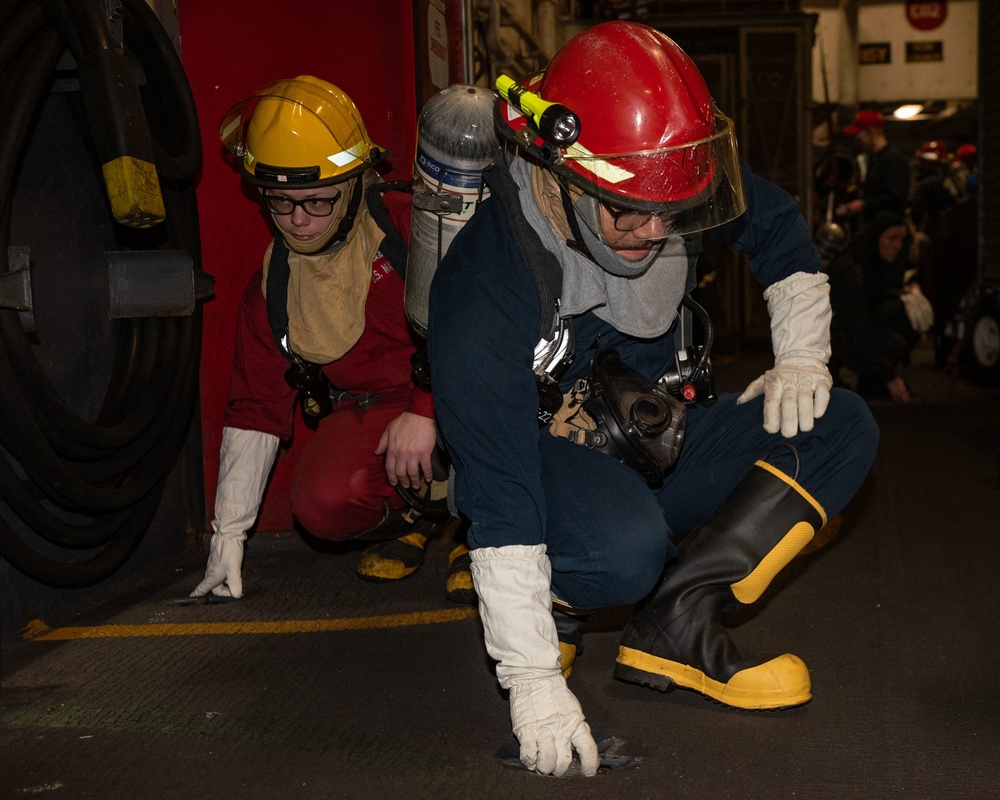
(155, 283)
(15, 286)
(438, 202)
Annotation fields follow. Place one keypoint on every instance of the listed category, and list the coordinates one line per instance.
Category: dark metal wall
(758, 68)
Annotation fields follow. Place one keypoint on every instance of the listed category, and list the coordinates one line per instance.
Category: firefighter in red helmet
(933, 151)
(616, 162)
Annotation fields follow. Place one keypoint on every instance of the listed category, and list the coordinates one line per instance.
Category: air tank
(456, 141)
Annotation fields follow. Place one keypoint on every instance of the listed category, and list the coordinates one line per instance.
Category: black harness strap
(576, 243)
(278, 273)
(545, 269)
(393, 246)
(315, 393)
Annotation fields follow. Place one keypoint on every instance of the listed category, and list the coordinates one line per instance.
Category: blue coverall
(607, 532)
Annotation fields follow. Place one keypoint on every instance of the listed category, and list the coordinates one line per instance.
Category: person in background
(935, 189)
(965, 167)
(935, 193)
(878, 315)
(616, 160)
(947, 268)
(886, 183)
(323, 322)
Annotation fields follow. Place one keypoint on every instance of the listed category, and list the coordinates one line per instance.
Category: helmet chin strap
(576, 243)
(606, 257)
(342, 230)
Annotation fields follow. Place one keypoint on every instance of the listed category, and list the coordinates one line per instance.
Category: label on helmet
(512, 112)
(345, 157)
(604, 170)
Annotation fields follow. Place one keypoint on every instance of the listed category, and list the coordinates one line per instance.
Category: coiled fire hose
(79, 491)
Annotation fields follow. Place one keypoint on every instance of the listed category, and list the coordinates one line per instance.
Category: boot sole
(782, 682)
(389, 576)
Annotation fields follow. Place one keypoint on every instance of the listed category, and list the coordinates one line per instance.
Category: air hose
(79, 493)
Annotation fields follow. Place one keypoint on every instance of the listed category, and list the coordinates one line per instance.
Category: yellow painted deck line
(38, 631)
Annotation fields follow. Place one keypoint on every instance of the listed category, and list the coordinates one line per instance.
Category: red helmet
(967, 154)
(934, 151)
(650, 136)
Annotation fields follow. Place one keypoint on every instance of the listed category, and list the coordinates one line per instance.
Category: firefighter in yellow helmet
(323, 323)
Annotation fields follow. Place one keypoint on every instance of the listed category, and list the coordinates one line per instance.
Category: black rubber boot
(675, 636)
(395, 522)
(458, 585)
(569, 627)
(392, 559)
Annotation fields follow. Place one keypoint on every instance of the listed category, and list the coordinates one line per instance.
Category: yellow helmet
(301, 133)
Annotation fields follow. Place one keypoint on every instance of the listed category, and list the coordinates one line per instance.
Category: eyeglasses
(313, 206)
(626, 219)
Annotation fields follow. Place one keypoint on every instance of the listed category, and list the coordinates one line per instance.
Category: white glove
(515, 604)
(918, 308)
(245, 461)
(797, 389)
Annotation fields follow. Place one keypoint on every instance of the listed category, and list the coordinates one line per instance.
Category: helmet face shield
(302, 133)
(691, 187)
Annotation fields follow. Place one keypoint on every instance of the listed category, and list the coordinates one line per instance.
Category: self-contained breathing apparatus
(617, 410)
(639, 423)
(316, 396)
(456, 141)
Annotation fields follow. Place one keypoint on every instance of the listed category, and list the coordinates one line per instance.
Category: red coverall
(339, 486)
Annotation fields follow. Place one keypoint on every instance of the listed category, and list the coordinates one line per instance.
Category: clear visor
(688, 189)
(233, 128)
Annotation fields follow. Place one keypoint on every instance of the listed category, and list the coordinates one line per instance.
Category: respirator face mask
(638, 422)
(619, 411)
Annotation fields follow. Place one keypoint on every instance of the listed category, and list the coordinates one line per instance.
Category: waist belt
(316, 396)
(364, 401)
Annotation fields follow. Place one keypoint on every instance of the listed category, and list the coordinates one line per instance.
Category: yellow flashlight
(556, 123)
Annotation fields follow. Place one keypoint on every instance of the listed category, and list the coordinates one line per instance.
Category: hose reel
(100, 329)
